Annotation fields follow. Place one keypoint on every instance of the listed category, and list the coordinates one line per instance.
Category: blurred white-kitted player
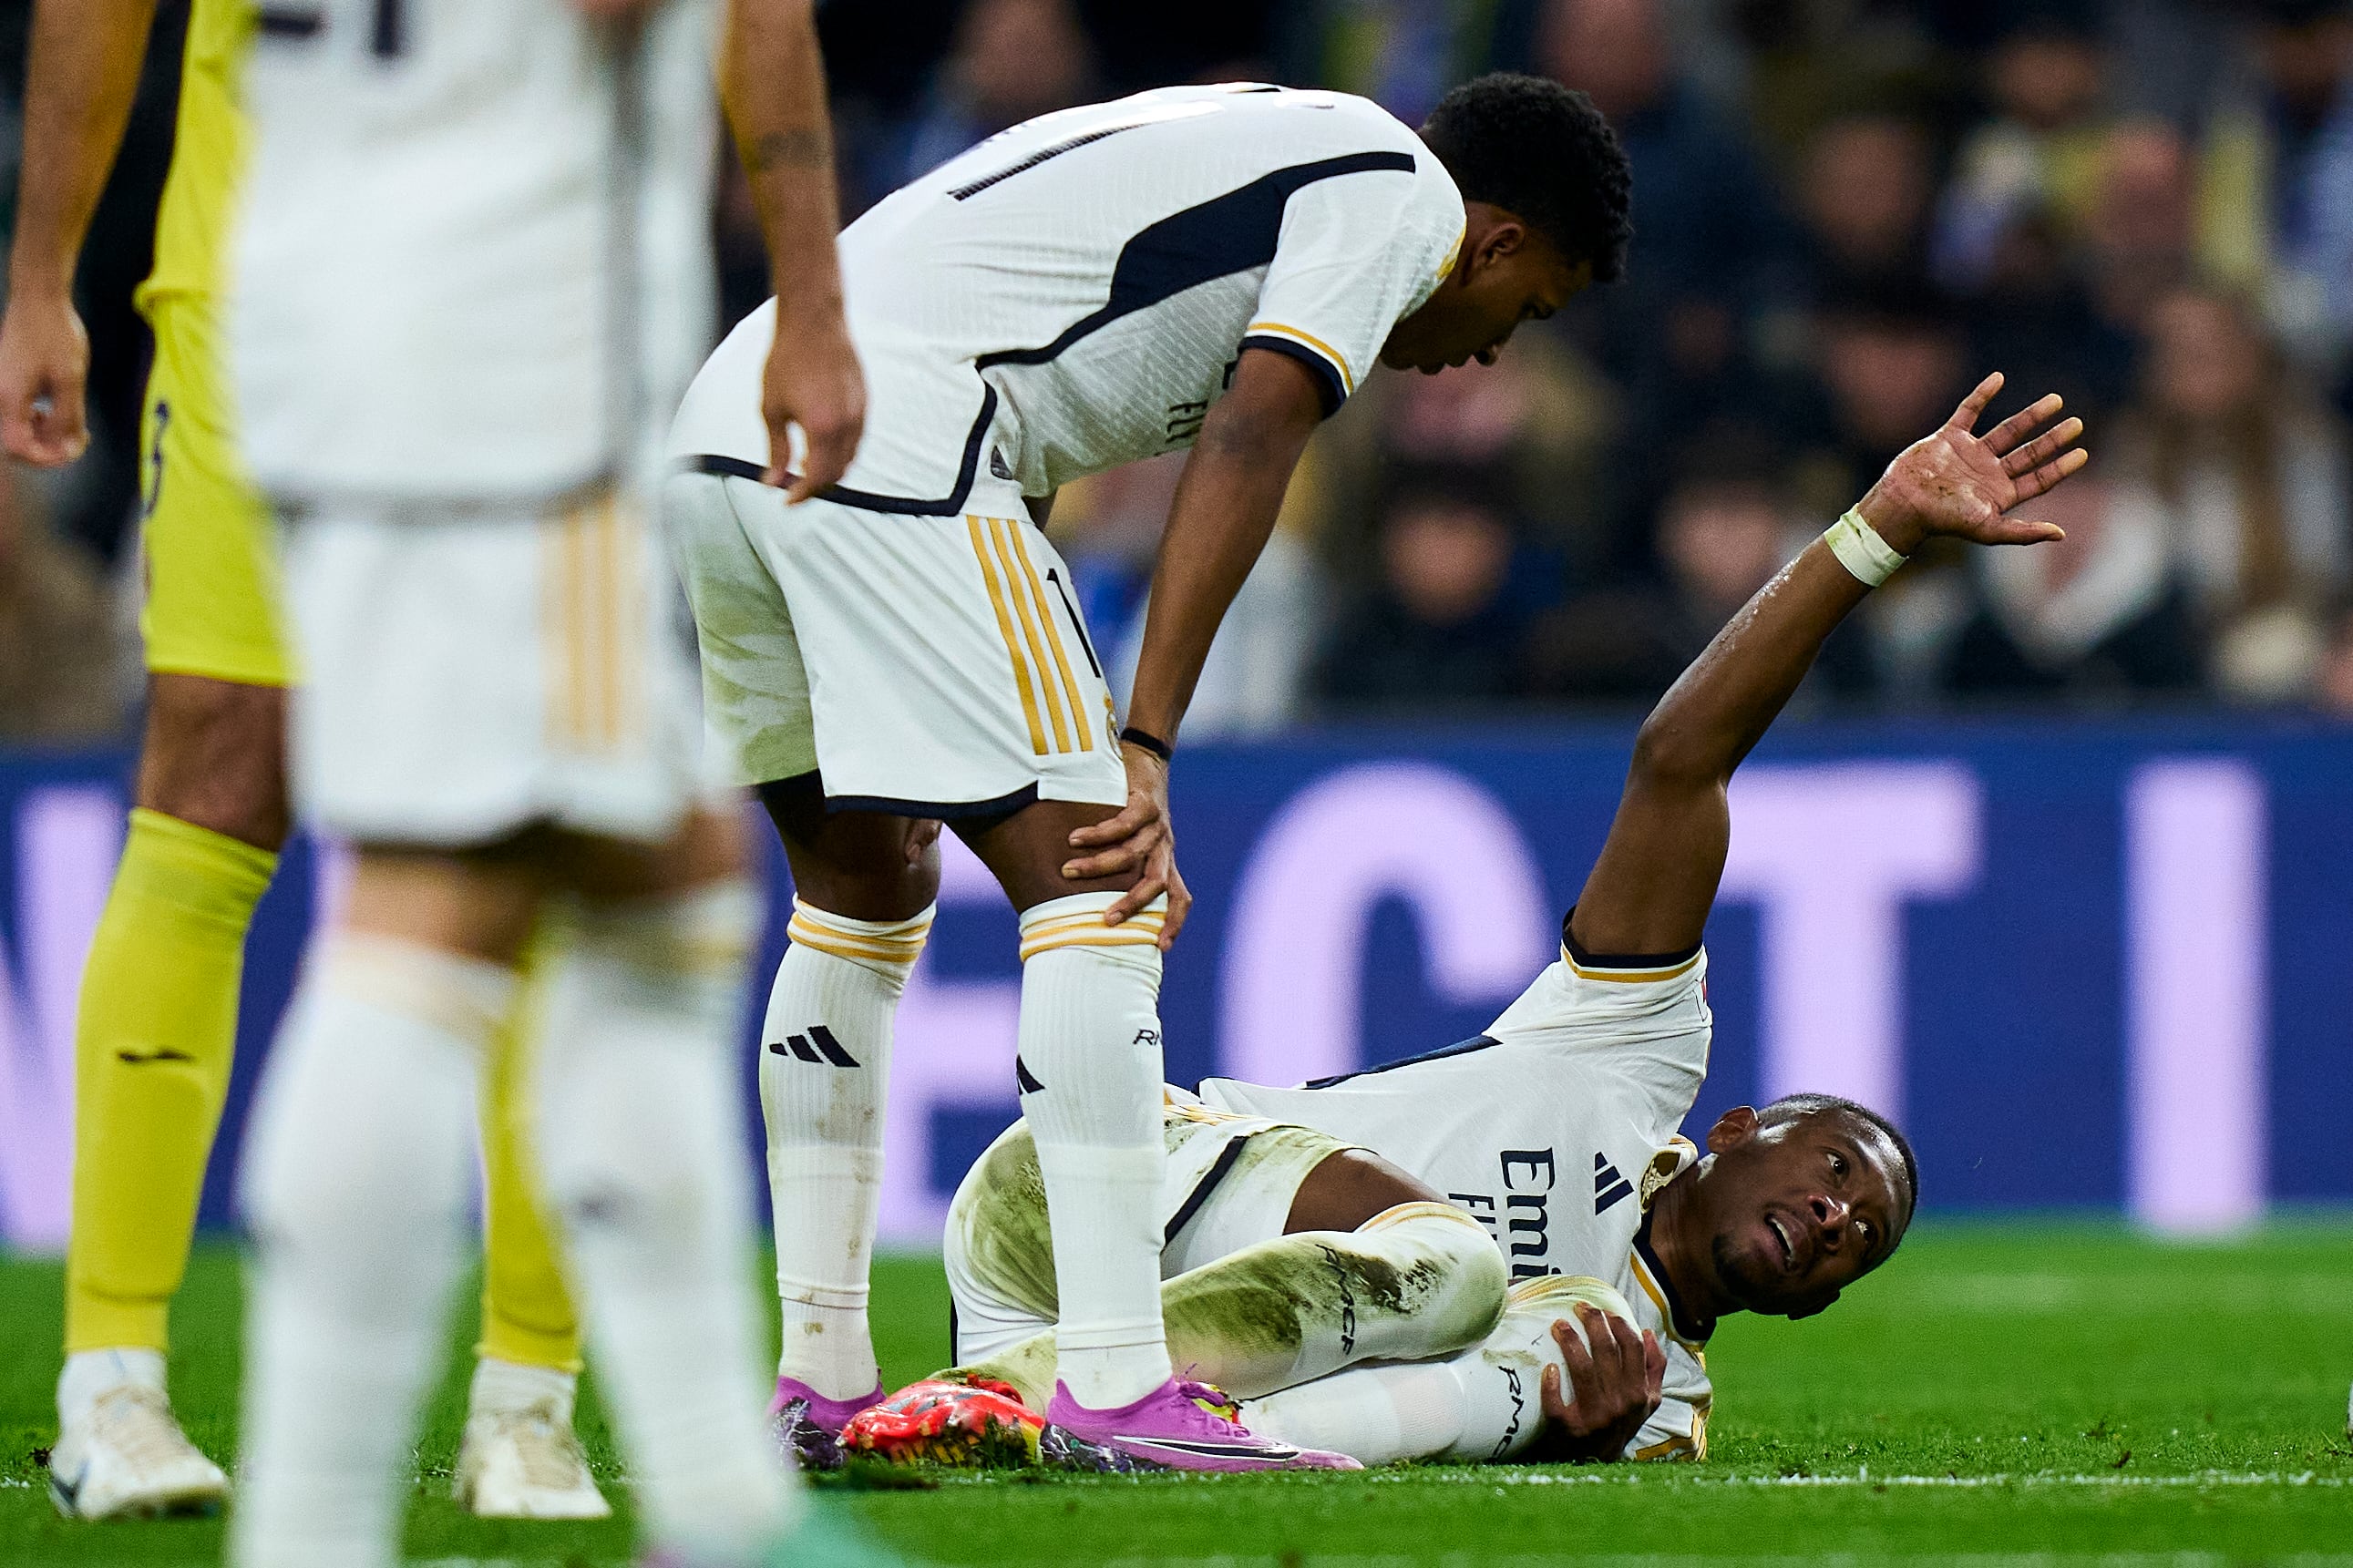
(473, 263)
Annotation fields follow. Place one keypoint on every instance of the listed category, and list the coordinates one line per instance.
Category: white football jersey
(1554, 1128)
(1074, 293)
(474, 254)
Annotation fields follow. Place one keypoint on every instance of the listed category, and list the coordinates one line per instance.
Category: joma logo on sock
(818, 1046)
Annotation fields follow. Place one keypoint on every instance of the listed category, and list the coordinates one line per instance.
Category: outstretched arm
(1652, 887)
(772, 81)
(78, 86)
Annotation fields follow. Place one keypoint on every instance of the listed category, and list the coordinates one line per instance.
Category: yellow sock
(155, 1036)
(527, 1312)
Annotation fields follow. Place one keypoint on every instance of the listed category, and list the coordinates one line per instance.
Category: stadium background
(2053, 856)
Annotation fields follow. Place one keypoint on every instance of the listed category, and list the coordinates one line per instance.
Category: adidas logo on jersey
(818, 1046)
(1609, 1186)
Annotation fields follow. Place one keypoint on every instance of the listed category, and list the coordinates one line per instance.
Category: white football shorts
(923, 666)
(1229, 1184)
(469, 672)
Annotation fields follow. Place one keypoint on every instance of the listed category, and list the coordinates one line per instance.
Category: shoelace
(137, 1422)
(1214, 1400)
(551, 1454)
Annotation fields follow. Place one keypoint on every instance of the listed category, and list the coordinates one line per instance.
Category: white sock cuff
(1111, 1336)
(889, 948)
(469, 999)
(90, 1374)
(837, 1298)
(706, 931)
(1078, 922)
(1100, 1167)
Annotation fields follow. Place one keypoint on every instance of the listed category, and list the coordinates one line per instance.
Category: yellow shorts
(215, 602)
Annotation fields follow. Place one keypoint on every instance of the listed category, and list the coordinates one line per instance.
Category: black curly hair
(1533, 147)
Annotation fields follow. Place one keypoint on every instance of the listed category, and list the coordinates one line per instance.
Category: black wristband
(1152, 743)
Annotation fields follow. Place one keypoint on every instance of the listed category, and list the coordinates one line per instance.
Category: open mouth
(1781, 1235)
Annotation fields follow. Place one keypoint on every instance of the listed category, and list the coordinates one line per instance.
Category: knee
(214, 754)
(1455, 1263)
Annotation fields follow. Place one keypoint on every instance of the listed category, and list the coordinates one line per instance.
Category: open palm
(1959, 482)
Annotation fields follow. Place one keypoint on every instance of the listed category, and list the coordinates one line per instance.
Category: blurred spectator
(2143, 240)
(1438, 627)
(1867, 185)
(64, 665)
(1891, 367)
(1542, 423)
(2097, 615)
(1722, 531)
(1108, 529)
(1710, 241)
(2332, 686)
(2042, 151)
(2249, 473)
(1013, 59)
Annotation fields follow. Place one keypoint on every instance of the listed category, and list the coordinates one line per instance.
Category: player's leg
(1413, 1278)
(519, 1457)
(157, 1019)
(355, 1186)
(1088, 1070)
(864, 884)
(1483, 1405)
(639, 1123)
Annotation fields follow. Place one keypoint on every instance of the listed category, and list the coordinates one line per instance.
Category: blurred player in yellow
(159, 1005)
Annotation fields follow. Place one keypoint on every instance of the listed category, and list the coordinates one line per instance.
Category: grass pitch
(2043, 1393)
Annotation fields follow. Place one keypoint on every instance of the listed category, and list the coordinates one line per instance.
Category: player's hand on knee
(814, 382)
(43, 361)
(1616, 1378)
(1138, 840)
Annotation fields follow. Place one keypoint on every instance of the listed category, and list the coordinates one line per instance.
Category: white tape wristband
(1860, 550)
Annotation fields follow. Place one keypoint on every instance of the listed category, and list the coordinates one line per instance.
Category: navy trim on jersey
(1585, 960)
(1327, 374)
(1459, 1048)
(1204, 1187)
(937, 810)
(867, 500)
(291, 22)
(1216, 238)
(1044, 155)
(1686, 1331)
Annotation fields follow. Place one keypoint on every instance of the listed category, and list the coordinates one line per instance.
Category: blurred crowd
(1847, 211)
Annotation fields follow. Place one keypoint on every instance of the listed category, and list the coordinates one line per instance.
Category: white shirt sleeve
(1357, 254)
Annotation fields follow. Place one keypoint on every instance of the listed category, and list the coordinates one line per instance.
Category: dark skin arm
(1225, 508)
(1652, 889)
(78, 86)
(772, 83)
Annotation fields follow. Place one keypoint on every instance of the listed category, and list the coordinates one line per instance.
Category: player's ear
(1734, 1128)
(1505, 238)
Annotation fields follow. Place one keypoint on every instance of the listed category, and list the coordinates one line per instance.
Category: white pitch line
(1864, 1477)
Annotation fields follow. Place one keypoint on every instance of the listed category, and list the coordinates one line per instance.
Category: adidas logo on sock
(818, 1046)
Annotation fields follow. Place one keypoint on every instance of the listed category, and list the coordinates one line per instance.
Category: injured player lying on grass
(1502, 1250)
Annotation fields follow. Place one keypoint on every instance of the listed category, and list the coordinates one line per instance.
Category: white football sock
(355, 1184)
(1089, 1071)
(510, 1388)
(87, 1375)
(1419, 1281)
(641, 1136)
(825, 1067)
(1483, 1405)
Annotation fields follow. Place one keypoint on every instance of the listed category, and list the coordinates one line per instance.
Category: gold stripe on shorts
(1054, 636)
(1029, 618)
(1005, 630)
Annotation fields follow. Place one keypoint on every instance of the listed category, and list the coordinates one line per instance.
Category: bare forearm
(80, 83)
(1225, 509)
(772, 81)
(1722, 706)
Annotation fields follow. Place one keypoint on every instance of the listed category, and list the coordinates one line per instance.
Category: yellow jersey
(208, 153)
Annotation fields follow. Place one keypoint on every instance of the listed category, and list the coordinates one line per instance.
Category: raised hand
(1957, 482)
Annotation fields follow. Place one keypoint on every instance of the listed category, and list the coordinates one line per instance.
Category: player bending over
(1206, 267)
(1372, 1217)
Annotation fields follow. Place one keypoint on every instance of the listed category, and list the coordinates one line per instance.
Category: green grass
(2004, 1393)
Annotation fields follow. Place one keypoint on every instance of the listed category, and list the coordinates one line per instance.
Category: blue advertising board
(2085, 963)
